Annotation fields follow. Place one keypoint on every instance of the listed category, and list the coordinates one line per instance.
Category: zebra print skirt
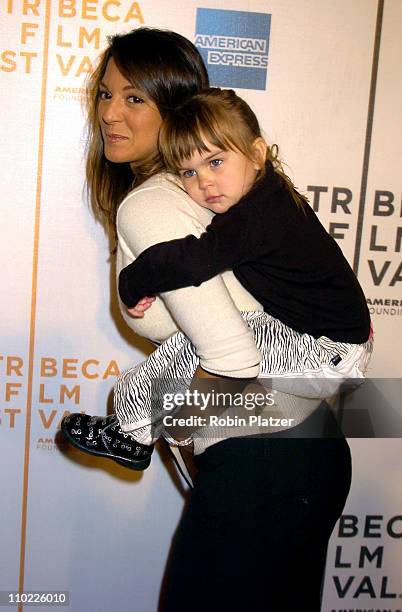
(294, 363)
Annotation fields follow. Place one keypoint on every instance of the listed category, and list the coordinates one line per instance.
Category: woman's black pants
(254, 534)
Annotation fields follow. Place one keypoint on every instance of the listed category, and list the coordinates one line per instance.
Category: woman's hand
(139, 309)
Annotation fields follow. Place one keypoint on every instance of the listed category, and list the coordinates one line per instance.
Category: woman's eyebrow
(125, 88)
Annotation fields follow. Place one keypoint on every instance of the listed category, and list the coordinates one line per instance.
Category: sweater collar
(269, 183)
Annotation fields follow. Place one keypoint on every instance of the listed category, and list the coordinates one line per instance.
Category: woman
(255, 531)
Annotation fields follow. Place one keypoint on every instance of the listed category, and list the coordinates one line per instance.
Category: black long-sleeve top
(278, 251)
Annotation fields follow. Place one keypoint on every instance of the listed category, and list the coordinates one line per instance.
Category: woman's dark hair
(168, 68)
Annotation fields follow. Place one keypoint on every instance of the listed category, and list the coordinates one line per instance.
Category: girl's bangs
(198, 137)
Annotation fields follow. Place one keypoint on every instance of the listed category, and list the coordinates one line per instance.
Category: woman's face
(128, 118)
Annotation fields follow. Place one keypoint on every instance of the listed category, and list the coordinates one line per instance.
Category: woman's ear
(259, 152)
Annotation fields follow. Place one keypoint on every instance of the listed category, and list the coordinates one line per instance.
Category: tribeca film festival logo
(62, 385)
(78, 33)
(234, 46)
(366, 546)
(383, 265)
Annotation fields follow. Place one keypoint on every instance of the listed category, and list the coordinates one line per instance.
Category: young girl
(314, 332)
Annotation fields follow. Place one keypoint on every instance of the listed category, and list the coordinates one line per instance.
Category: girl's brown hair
(219, 117)
(168, 68)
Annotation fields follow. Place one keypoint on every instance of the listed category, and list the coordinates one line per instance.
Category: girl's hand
(139, 309)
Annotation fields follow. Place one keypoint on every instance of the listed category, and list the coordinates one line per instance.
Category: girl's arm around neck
(232, 238)
(206, 314)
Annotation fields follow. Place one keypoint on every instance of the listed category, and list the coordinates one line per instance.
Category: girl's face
(128, 118)
(217, 179)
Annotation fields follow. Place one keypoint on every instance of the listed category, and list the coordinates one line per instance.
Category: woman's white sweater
(160, 210)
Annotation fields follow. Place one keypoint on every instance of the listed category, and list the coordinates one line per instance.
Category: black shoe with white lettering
(103, 437)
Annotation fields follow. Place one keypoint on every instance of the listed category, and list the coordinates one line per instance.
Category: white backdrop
(330, 95)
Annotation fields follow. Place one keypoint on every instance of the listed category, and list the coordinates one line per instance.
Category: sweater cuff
(232, 376)
(128, 295)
